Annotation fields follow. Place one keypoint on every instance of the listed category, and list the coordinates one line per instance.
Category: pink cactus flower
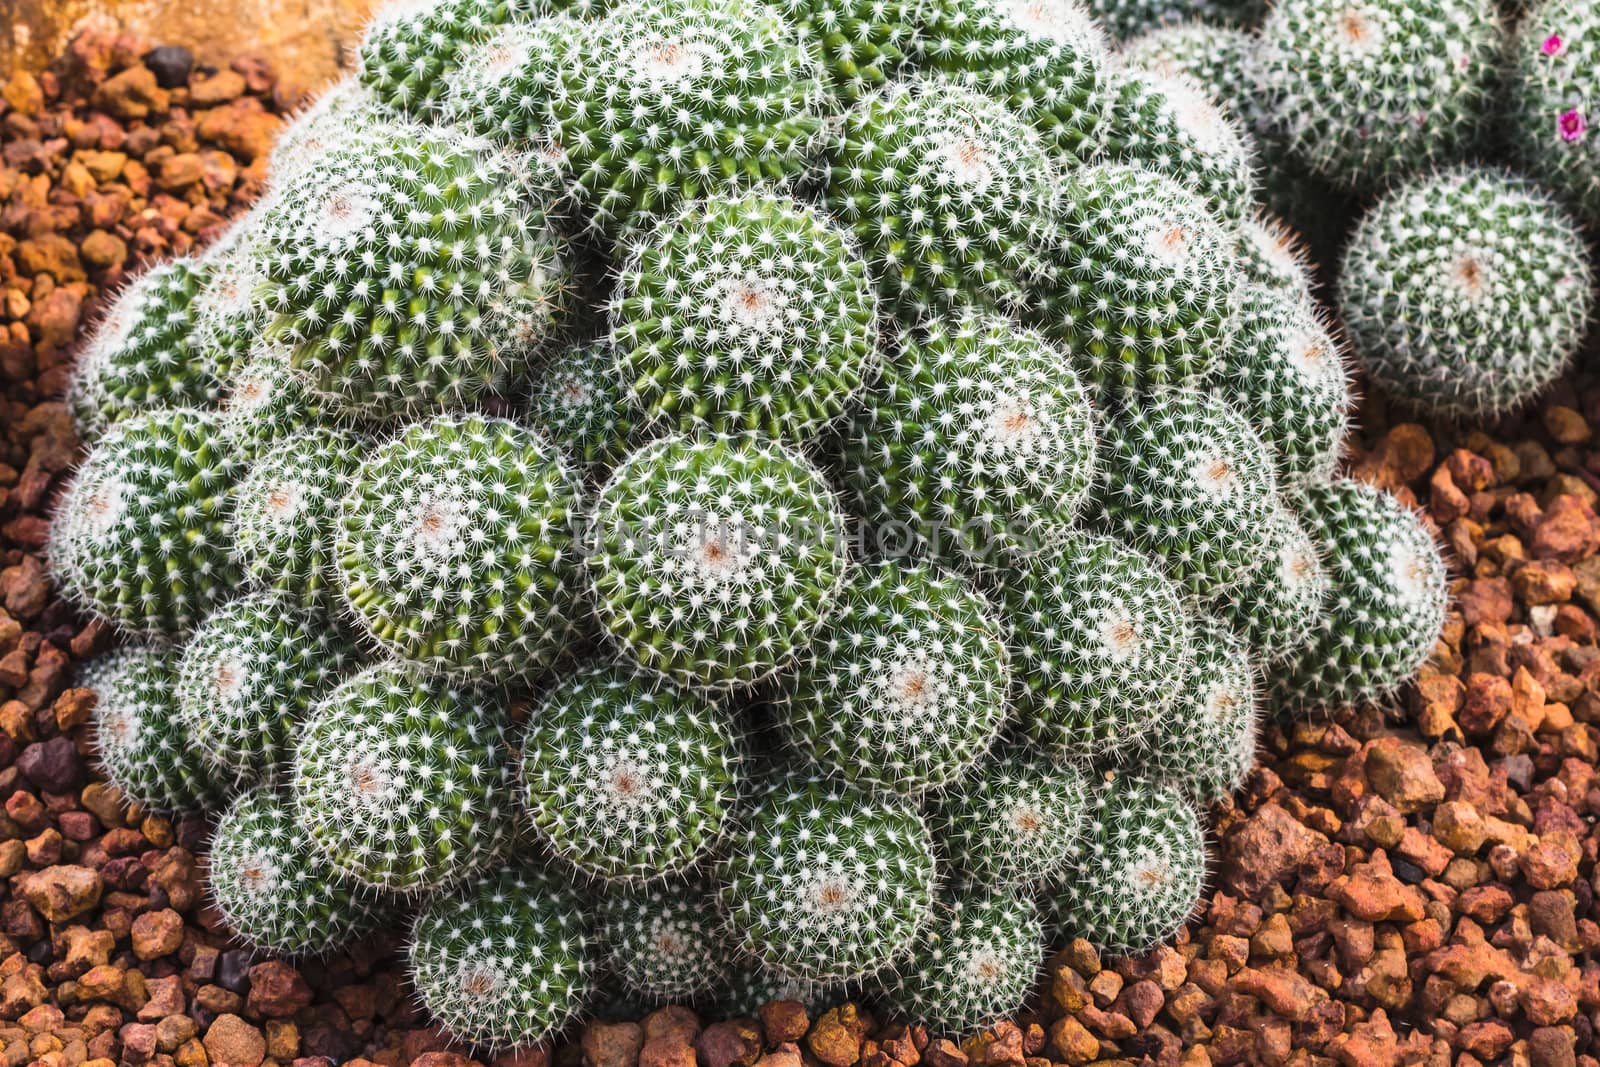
(1551, 45)
(1572, 125)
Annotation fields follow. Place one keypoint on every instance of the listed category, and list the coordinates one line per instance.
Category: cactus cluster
(717, 500)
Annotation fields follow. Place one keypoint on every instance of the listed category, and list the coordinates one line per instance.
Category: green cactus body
(1141, 293)
(626, 777)
(143, 749)
(1286, 375)
(1047, 59)
(1466, 292)
(142, 357)
(248, 677)
(1206, 743)
(749, 312)
(907, 685)
(973, 963)
(666, 942)
(1554, 120)
(1367, 91)
(272, 887)
(1386, 601)
(140, 534)
(828, 885)
(505, 960)
(1272, 254)
(412, 270)
(1189, 480)
(948, 191)
(864, 43)
(458, 549)
(1276, 607)
(403, 781)
(977, 443)
(1100, 640)
(284, 514)
(583, 407)
(734, 94)
(226, 311)
(1212, 54)
(1138, 871)
(413, 47)
(1012, 823)
(715, 558)
(266, 400)
(1168, 124)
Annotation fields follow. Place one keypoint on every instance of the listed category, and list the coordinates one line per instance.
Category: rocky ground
(1415, 885)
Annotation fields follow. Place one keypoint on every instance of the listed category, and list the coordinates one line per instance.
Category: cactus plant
(1138, 870)
(1386, 601)
(403, 781)
(1213, 55)
(142, 356)
(972, 963)
(714, 558)
(411, 270)
(908, 684)
(1272, 254)
(1275, 608)
(249, 675)
(1466, 292)
(1141, 293)
(826, 884)
(733, 93)
(143, 749)
(1012, 823)
(411, 48)
(582, 406)
(949, 193)
(505, 960)
(863, 43)
(457, 548)
(343, 112)
(1188, 479)
(978, 442)
(1100, 640)
(1367, 91)
(666, 942)
(265, 399)
(747, 312)
(273, 889)
(626, 777)
(282, 523)
(1551, 101)
(140, 534)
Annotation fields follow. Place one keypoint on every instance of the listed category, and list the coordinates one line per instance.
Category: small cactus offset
(1554, 121)
(826, 884)
(266, 399)
(749, 312)
(140, 535)
(457, 548)
(285, 510)
(1012, 823)
(403, 781)
(272, 887)
(1466, 292)
(665, 941)
(143, 747)
(1272, 254)
(908, 687)
(1138, 870)
(506, 959)
(583, 407)
(715, 557)
(1386, 600)
(627, 778)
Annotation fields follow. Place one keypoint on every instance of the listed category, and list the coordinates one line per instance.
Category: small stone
(232, 1042)
(836, 1037)
(736, 1043)
(63, 892)
(1402, 774)
(784, 1021)
(1459, 827)
(1552, 861)
(277, 991)
(171, 65)
(1564, 424)
(221, 87)
(1569, 531)
(24, 93)
(157, 933)
(133, 94)
(1271, 844)
(1372, 892)
(52, 765)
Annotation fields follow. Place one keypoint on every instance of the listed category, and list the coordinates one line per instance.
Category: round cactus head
(907, 684)
(458, 550)
(1138, 871)
(1466, 292)
(272, 887)
(581, 404)
(977, 444)
(973, 963)
(826, 884)
(143, 748)
(282, 524)
(412, 47)
(404, 781)
(505, 960)
(1272, 254)
(249, 675)
(715, 558)
(1370, 90)
(626, 777)
(265, 399)
(1554, 121)
(140, 534)
(1099, 639)
(1386, 601)
(1125, 19)
(343, 112)
(1012, 823)
(948, 191)
(666, 942)
(1214, 57)
(1276, 607)
(412, 270)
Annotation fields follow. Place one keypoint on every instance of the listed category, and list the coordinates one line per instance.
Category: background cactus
(665, 941)
(1012, 823)
(583, 408)
(1466, 292)
(1552, 106)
